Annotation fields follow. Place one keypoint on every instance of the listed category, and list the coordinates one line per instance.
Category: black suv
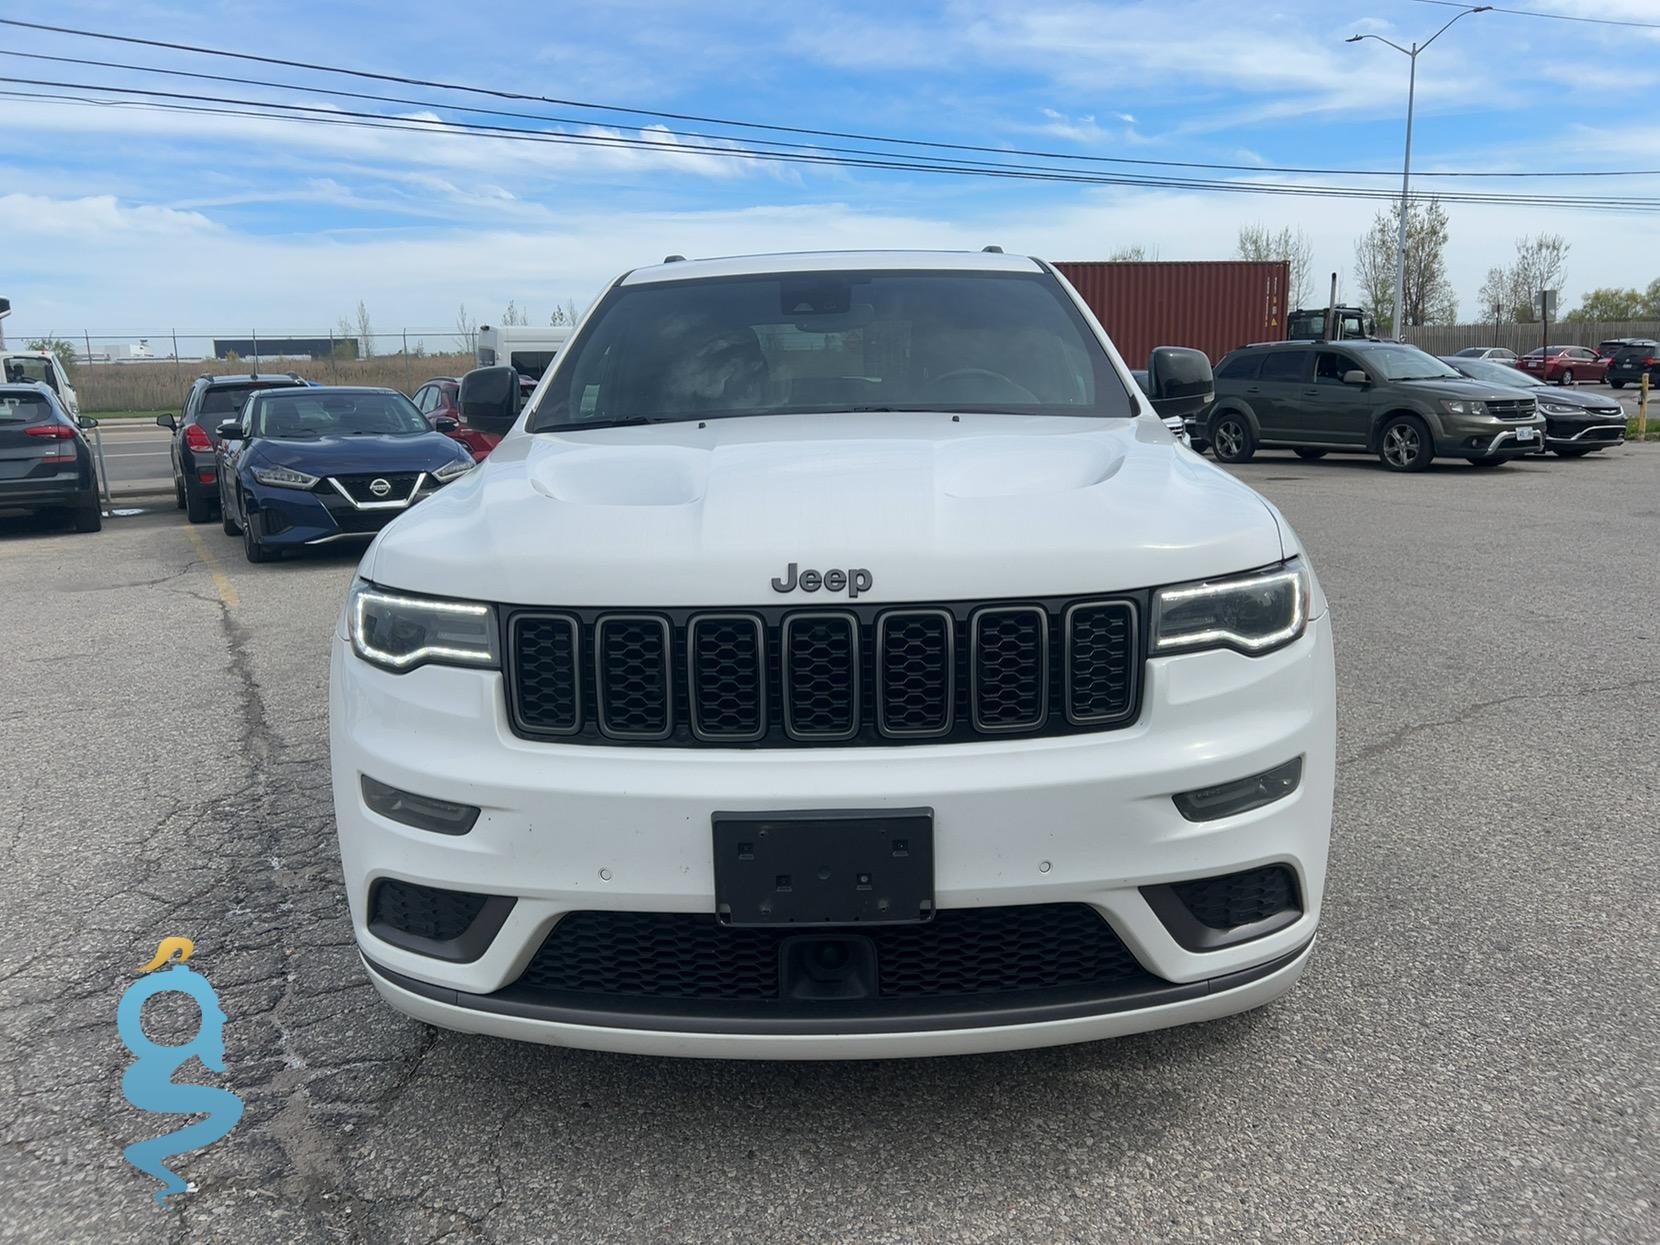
(211, 400)
(1629, 361)
(1365, 397)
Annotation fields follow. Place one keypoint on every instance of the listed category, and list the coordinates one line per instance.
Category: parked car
(1612, 346)
(658, 724)
(21, 367)
(325, 464)
(195, 444)
(438, 401)
(1383, 398)
(1631, 361)
(1501, 353)
(45, 462)
(1563, 365)
(1575, 423)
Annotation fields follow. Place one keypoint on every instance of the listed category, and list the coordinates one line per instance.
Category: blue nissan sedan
(313, 466)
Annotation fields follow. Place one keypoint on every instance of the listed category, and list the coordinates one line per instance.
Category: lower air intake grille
(961, 952)
(424, 911)
(1236, 899)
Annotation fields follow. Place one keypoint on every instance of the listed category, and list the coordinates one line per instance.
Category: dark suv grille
(1236, 899)
(400, 485)
(1519, 408)
(424, 911)
(961, 952)
(803, 677)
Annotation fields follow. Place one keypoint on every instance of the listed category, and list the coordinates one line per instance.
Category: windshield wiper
(626, 421)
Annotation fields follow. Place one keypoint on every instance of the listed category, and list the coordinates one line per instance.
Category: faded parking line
(221, 581)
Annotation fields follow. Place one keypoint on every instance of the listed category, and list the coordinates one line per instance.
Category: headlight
(1556, 408)
(399, 632)
(452, 471)
(1462, 406)
(284, 477)
(1251, 613)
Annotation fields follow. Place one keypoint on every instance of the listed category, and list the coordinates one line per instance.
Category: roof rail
(993, 249)
(674, 259)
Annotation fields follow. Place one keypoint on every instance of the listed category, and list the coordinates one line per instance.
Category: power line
(168, 101)
(695, 118)
(1555, 17)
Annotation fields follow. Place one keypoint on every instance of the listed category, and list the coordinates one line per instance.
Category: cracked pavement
(1474, 1053)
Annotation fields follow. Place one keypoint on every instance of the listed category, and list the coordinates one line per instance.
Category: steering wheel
(984, 373)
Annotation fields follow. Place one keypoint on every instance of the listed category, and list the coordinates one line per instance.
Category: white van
(41, 367)
(529, 349)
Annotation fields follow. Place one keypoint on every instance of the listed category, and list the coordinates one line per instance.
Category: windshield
(832, 341)
(1499, 374)
(1408, 363)
(310, 413)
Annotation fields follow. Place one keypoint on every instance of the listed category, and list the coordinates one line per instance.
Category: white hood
(934, 507)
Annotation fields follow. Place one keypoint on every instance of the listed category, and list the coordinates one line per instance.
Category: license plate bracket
(818, 868)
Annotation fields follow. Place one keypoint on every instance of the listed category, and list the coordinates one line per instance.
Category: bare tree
(1429, 294)
(514, 314)
(1136, 254)
(1541, 264)
(466, 329)
(1258, 242)
(563, 314)
(365, 329)
(346, 344)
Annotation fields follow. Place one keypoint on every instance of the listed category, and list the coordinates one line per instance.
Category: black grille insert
(821, 676)
(548, 683)
(1236, 899)
(728, 677)
(915, 665)
(424, 911)
(632, 656)
(962, 952)
(399, 487)
(1011, 667)
(1100, 661)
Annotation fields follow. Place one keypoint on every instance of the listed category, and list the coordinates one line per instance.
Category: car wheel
(1311, 455)
(89, 515)
(196, 509)
(1567, 377)
(1577, 451)
(1616, 384)
(1405, 445)
(1487, 462)
(251, 546)
(1231, 440)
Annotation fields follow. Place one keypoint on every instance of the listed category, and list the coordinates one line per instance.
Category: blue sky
(124, 221)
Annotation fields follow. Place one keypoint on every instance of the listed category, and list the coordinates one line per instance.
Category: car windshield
(307, 414)
(832, 341)
(1498, 373)
(1408, 363)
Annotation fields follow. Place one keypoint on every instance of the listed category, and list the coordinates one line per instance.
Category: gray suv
(1383, 398)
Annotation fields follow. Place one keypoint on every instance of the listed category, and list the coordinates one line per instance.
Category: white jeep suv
(837, 659)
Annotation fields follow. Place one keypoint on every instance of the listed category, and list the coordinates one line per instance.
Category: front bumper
(1571, 432)
(290, 518)
(1479, 436)
(1080, 819)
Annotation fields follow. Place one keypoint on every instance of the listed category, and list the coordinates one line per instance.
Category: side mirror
(445, 424)
(229, 430)
(168, 422)
(1179, 381)
(1354, 376)
(86, 421)
(490, 399)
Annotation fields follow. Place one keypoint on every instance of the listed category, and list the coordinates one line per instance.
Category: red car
(1564, 365)
(439, 400)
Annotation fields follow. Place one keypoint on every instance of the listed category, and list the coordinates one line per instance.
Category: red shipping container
(1210, 305)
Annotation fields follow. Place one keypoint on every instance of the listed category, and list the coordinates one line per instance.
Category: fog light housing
(1242, 795)
(421, 811)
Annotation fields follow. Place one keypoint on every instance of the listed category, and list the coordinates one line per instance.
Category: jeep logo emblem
(379, 487)
(852, 582)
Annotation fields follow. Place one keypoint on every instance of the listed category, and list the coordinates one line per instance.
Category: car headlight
(1463, 406)
(1252, 613)
(1557, 408)
(284, 477)
(452, 471)
(398, 632)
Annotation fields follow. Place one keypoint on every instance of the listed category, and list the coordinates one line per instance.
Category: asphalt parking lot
(1473, 1055)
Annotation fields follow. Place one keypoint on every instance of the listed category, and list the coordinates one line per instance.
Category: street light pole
(1399, 318)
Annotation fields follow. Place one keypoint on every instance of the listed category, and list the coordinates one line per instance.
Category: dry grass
(161, 385)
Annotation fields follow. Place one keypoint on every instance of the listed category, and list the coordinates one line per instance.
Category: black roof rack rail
(674, 259)
(993, 249)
